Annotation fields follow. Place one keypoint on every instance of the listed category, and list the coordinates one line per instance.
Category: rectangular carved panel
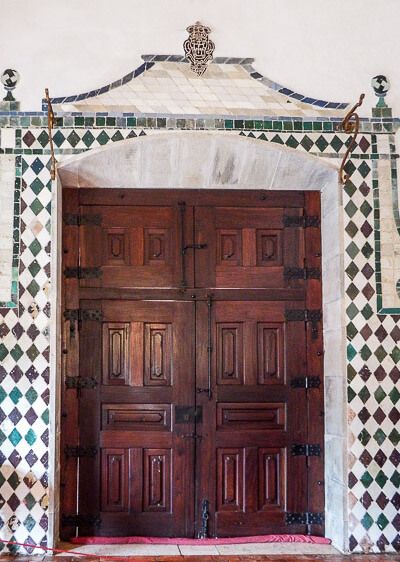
(270, 353)
(230, 479)
(137, 417)
(116, 353)
(254, 416)
(114, 475)
(158, 354)
(271, 473)
(157, 480)
(229, 247)
(156, 246)
(229, 353)
(116, 246)
(269, 247)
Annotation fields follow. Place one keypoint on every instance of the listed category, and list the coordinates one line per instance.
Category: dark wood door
(200, 326)
(141, 353)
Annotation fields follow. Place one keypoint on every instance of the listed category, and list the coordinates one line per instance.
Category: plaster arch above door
(195, 160)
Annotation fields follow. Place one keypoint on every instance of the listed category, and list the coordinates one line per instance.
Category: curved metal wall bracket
(350, 125)
(50, 124)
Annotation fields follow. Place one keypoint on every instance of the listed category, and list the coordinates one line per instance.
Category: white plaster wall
(327, 50)
(7, 181)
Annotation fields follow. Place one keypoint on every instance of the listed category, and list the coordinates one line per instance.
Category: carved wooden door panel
(133, 246)
(246, 467)
(141, 354)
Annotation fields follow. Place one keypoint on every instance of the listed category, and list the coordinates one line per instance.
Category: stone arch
(226, 160)
(197, 159)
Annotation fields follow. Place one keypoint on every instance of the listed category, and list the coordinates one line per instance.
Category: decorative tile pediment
(165, 84)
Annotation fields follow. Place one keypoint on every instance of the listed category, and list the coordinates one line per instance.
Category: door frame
(316, 174)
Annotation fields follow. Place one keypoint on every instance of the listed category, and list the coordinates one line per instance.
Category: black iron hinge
(305, 518)
(83, 314)
(83, 272)
(75, 520)
(71, 219)
(305, 450)
(304, 221)
(76, 451)
(306, 382)
(80, 382)
(305, 315)
(302, 273)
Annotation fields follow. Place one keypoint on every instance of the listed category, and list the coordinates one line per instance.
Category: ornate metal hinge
(306, 382)
(301, 315)
(306, 450)
(79, 314)
(71, 219)
(80, 382)
(69, 520)
(205, 516)
(78, 451)
(305, 518)
(305, 221)
(83, 272)
(301, 273)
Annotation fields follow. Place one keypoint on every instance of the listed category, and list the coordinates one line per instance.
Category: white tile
(276, 548)
(129, 550)
(189, 550)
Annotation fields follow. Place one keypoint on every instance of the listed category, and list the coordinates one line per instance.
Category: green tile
(379, 394)
(382, 522)
(381, 478)
(367, 520)
(15, 437)
(3, 355)
(351, 352)
(31, 395)
(367, 480)
(15, 395)
(364, 394)
(379, 436)
(394, 437)
(30, 437)
(16, 352)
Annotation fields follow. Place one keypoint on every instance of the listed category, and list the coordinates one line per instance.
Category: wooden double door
(192, 403)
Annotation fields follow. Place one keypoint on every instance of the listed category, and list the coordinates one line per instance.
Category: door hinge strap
(80, 382)
(301, 273)
(80, 314)
(78, 451)
(83, 272)
(69, 520)
(302, 315)
(305, 221)
(71, 219)
(306, 382)
(306, 450)
(305, 518)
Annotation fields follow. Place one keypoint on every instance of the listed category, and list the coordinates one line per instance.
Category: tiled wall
(372, 354)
